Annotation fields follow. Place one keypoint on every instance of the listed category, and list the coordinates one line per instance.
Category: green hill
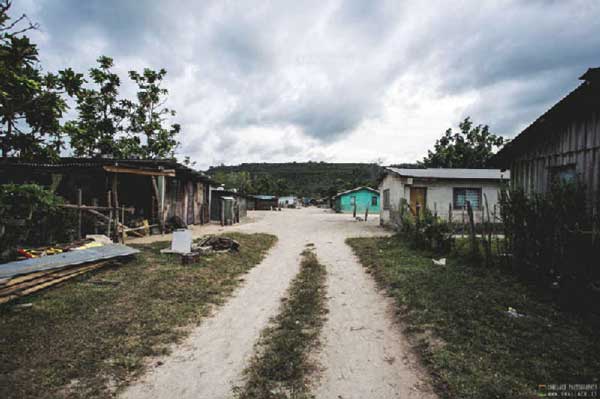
(306, 179)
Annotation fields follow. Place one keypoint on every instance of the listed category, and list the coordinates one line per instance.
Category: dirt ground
(364, 354)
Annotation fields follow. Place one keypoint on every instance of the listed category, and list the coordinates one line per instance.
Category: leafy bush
(29, 214)
(552, 240)
(426, 230)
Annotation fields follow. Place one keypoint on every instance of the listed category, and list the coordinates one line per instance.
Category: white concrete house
(289, 201)
(441, 190)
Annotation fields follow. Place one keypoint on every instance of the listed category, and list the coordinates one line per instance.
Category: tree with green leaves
(31, 103)
(241, 181)
(99, 128)
(149, 116)
(471, 147)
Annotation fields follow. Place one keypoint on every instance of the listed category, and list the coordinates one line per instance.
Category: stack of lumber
(21, 278)
(27, 284)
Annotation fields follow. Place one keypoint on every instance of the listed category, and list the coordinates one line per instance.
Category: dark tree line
(33, 105)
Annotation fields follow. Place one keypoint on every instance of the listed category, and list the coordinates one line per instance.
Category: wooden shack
(240, 204)
(265, 202)
(157, 191)
(563, 143)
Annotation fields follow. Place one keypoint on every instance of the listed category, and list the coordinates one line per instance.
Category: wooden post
(79, 214)
(354, 210)
(123, 224)
(474, 248)
(449, 212)
(463, 221)
(222, 212)
(488, 243)
(367, 213)
(109, 205)
(435, 209)
(115, 191)
(95, 203)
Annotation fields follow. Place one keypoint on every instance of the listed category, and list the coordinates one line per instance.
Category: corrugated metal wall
(578, 144)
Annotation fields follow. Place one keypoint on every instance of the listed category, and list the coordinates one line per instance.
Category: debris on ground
(219, 243)
(512, 312)
(192, 252)
(439, 262)
(90, 241)
(24, 277)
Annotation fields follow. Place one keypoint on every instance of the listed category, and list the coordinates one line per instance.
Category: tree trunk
(5, 147)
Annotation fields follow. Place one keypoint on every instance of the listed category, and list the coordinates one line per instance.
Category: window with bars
(462, 195)
(374, 200)
(386, 199)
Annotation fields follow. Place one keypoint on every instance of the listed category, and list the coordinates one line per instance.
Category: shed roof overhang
(575, 105)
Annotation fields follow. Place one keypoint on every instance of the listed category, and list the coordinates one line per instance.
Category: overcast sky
(343, 81)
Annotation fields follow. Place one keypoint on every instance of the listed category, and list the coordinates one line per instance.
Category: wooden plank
(50, 283)
(91, 208)
(143, 172)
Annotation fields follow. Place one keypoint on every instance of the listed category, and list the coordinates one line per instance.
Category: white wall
(396, 187)
(439, 195)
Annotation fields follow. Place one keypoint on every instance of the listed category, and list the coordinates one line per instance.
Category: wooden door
(418, 195)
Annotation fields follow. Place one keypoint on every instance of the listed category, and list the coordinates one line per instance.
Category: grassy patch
(281, 366)
(457, 314)
(90, 336)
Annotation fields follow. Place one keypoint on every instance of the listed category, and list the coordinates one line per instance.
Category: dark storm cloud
(325, 67)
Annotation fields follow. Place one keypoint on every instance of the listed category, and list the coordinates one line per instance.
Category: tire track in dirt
(211, 360)
(364, 353)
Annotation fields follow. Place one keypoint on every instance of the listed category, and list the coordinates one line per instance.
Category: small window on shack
(563, 174)
(386, 199)
(374, 200)
(352, 200)
(463, 195)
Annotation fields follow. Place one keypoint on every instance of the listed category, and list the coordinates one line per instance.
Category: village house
(289, 201)
(265, 202)
(563, 143)
(359, 198)
(156, 191)
(443, 191)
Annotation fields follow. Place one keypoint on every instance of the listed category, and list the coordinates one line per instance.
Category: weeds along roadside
(281, 367)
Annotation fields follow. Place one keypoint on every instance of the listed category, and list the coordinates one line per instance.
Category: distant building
(563, 143)
(360, 197)
(222, 211)
(265, 202)
(289, 201)
(446, 191)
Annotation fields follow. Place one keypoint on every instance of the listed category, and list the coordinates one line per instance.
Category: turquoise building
(363, 197)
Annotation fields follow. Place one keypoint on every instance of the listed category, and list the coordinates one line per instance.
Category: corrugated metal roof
(70, 258)
(265, 197)
(356, 189)
(446, 173)
(575, 104)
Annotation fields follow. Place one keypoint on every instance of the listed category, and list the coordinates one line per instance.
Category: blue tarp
(70, 258)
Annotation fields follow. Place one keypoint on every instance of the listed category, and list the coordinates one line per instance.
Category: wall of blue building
(363, 198)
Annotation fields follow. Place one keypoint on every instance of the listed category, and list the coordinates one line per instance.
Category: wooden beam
(144, 172)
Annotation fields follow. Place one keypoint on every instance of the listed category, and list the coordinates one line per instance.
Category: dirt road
(364, 355)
